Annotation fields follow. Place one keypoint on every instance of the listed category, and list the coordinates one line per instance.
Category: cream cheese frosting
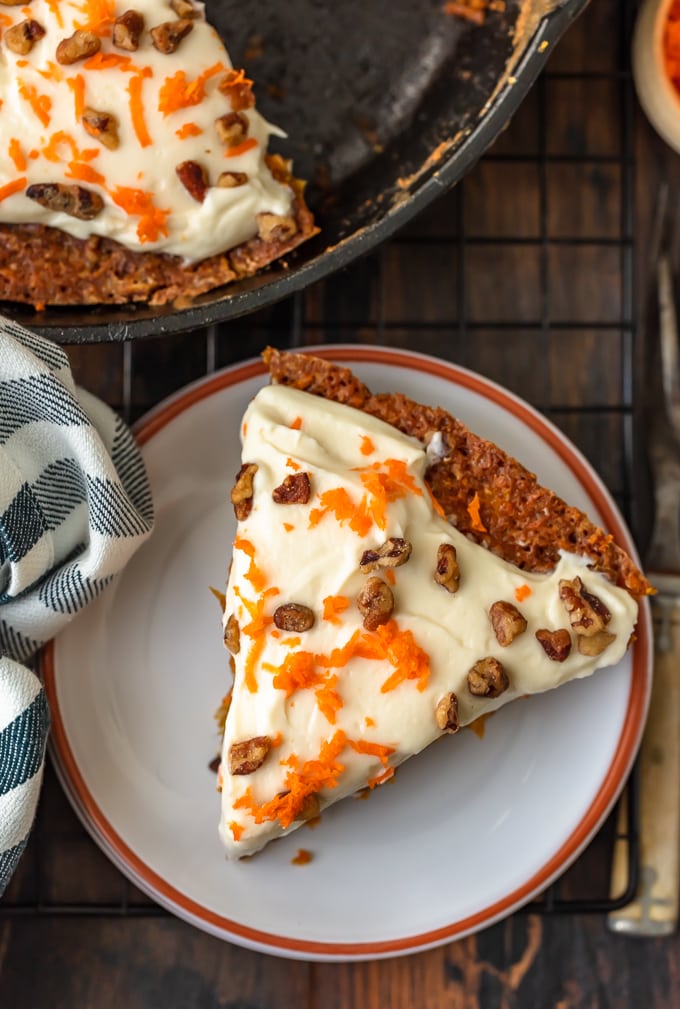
(342, 706)
(165, 105)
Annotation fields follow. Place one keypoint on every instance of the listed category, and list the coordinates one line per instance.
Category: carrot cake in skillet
(394, 577)
(133, 162)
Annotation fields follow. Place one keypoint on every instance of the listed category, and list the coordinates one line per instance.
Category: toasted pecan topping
(103, 126)
(194, 178)
(588, 615)
(20, 38)
(391, 554)
(446, 713)
(232, 129)
(214, 764)
(276, 227)
(507, 622)
(77, 47)
(246, 756)
(295, 489)
(447, 572)
(242, 491)
(376, 603)
(594, 644)
(127, 30)
(77, 201)
(293, 617)
(232, 635)
(185, 8)
(310, 808)
(167, 36)
(230, 180)
(487, 678)
(556, 644)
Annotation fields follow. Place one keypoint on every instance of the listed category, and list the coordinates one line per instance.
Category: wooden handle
(654, 911)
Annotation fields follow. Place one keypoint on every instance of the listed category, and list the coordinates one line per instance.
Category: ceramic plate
(470, 830)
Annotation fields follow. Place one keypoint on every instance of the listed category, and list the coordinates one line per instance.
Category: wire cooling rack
(525, 273)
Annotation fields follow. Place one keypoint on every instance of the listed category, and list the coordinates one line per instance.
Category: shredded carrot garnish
(137, 203)
(254, 575)
(410, 661)
(242, 148)
(298, 672)
(109, 61)
(291, 642)
(328, 699)
(255, 630)
(137, 109)
(52, 72)
(372, 749)
(22, 63)
(333, 606)
(369, 722)
(473, 512)
(17, 155)
(367, 446)
(84, 173)
(220, 597)
(6, 20)
(15, 186)
(33, 154)
(99, 16)
(40, 104)
(301, 781)
(52, 150)
(189, 130)
(390, 576)
(288, 527)
(292, 464)
(77, 86)
(55, 8)
(380, 779)
(296, 424)
(522, 592)
(177, 92)
(236, 830)
(340, 504)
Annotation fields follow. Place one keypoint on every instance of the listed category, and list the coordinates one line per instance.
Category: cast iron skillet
(387, 104)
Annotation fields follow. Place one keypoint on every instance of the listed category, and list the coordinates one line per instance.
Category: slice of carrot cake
(365, 616)
(133, 162)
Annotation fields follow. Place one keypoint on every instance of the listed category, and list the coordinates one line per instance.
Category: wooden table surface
(525, 273)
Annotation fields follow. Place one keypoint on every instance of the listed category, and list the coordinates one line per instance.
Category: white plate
(471, 829)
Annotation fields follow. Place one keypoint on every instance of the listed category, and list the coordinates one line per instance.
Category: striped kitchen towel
(75, 504)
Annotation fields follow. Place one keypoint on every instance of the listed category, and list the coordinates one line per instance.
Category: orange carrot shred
(137, 110)
(189, 130)
(296, 424)
(236, 830)
(99, 16)
(333, 606)
(292, 464)
(177, 92)
(137, 203)
(288, 527)
(84, 173)
(522, 592)
(55, 8)
(372, 749)
(40, 104)
(473, 512)
(77, 86)
(367, 446)
(242, 148)
(17, 154)
(15, 186)
(380, 779)
(369, 722)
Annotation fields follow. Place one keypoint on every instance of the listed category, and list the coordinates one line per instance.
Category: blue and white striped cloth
(75, 504)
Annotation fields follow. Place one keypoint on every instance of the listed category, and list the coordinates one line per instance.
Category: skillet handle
(654, 910)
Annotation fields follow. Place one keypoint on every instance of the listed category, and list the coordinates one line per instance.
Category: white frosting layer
(309, 564)
(195, 230)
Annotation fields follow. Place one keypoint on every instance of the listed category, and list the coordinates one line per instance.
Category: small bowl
(658, 97)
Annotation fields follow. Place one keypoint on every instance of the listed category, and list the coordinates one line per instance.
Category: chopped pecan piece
(293, 617)
(127, 30)
(73, 200)
(238, 89)
(376, 603)
(232, 129)
(185, 8)
(446, 713)
(167, 36)
(392, 554)
(556, 644)
(588, 615)
(247, 756)
(230, 180)
(275, 227)
(507, 622)
(77, 47)
(487, 678)
(214, 764)
(103, 126)
(595, 644)
(20, 38)
(447, 572)
(194, 178)
(232, 635)
(295, 489)
(310, 808)
(242, 491)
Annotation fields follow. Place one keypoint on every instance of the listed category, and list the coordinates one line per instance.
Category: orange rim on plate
(594, 816)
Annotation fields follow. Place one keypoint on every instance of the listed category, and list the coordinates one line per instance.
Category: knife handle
(654, 909)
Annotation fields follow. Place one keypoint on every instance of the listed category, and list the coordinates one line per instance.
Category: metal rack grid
(366, 303)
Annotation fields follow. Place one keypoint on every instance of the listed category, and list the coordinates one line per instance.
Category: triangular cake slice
(362, 623)
(134, 163)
